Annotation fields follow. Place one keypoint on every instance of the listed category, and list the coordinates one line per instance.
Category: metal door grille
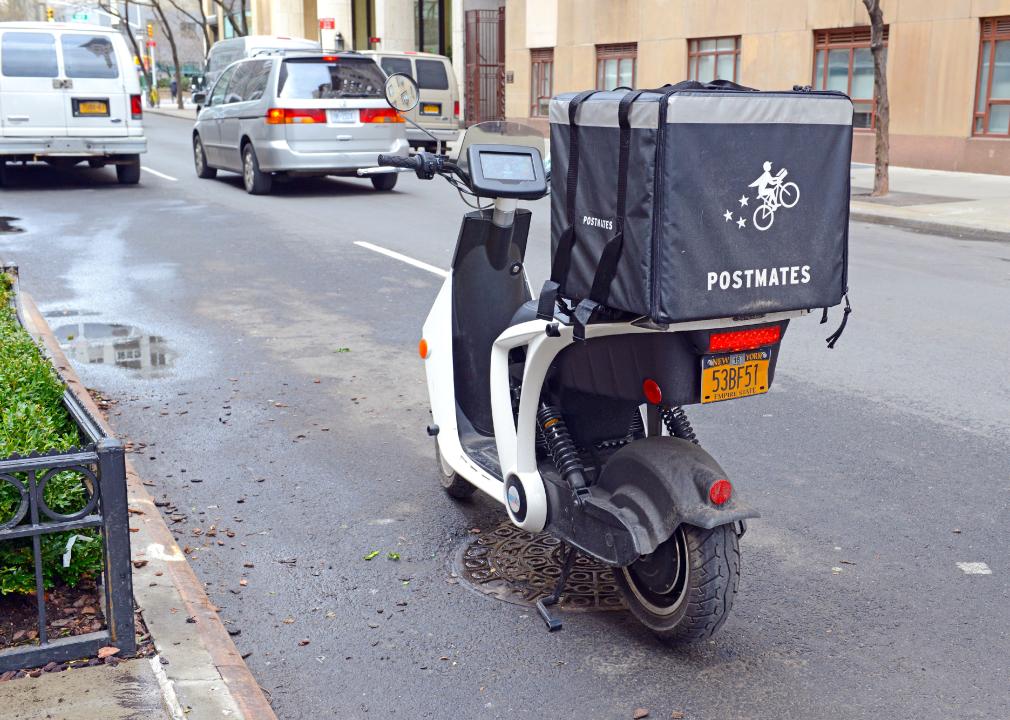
(485, 65)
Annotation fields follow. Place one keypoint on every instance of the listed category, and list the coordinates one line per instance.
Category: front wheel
(683, 591)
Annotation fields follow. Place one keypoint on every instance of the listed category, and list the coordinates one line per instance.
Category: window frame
(992, 30)
(618, 52)
(693, 54)
(540, 58)
(850, 39)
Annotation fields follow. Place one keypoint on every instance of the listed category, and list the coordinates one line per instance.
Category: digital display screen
(504, 166)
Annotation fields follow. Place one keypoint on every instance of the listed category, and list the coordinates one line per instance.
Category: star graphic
(743, 200)
(728, 215)
(741, 223)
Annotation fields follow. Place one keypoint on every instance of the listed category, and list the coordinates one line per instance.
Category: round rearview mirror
(401, 92)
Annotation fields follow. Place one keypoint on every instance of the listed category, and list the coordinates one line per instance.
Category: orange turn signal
(422, 349)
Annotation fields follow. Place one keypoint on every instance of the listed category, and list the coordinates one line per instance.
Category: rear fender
(660, 482)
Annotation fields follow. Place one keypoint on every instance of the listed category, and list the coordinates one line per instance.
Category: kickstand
(554, 623)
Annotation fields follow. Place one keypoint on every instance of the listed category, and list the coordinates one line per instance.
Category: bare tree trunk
(882, 148)
(170, 34)
(200, 22)
(124, 25)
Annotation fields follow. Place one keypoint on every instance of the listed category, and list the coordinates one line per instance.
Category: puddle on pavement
(124, 346)
(7, 225)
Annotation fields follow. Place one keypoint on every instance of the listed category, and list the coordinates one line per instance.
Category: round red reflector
(720, 491)
(652, 391)
(422, 349)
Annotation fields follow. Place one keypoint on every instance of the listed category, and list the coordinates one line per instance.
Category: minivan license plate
(342, 116)
(734, 375)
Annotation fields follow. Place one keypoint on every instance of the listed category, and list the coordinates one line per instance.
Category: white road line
(402, 258)
(974, 568)
(159, 174)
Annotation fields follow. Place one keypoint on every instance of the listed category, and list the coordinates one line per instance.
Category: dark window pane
(862, 114)
(321, 80)
(217, 97)
(28, 55)
(258, 80)
(239, 82)
(89, 57)
(431, 75)
(397, 65)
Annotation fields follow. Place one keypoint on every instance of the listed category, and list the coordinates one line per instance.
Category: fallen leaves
(372, 555)
(107, 652)
(640, 713)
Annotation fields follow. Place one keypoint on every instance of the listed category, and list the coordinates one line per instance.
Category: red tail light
(136, 107)
(720, 492)
(455, 108)
(653, 393)
(744, 339)
(295, 116)
(379, 115)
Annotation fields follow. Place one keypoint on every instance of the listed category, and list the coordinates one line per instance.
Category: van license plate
(84, 108)
(342, 116)
(734, 375)
(431, 109)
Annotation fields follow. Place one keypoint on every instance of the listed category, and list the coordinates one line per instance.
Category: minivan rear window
(431, 75)
(28, 54)
(318, 79)
(89, 56)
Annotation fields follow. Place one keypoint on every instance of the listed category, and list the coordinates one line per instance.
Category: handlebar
(410, 163)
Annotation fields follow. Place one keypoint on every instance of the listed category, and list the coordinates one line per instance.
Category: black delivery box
(736, 202)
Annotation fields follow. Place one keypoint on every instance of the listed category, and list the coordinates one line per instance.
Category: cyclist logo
(773, 193)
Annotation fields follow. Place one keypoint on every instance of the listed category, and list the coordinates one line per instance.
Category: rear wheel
(683, 591)
(454, 484)
(385, 181)
(128, 171)
(203, 170)
(4, 172)
(256, 181)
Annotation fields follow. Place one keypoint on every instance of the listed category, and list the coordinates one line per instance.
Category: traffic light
(49, 14)
(150, 30)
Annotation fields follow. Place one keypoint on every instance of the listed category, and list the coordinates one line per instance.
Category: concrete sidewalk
(957, 204)
(189, 113)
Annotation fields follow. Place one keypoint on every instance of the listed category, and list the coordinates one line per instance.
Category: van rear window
(431, 75)
(28, 54)
(396, 65)
(89, 56)
(318, 79)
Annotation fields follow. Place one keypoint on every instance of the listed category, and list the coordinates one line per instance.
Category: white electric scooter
(586, 440)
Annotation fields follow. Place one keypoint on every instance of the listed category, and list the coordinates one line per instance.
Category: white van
(438, 110)
(224, 52)
(69, 92)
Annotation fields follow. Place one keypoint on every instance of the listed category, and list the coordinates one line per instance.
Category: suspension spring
(677, 423)
(559, 444)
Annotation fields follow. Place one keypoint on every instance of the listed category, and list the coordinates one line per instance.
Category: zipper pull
(802, 88)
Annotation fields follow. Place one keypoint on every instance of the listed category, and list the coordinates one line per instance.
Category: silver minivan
(297, 114)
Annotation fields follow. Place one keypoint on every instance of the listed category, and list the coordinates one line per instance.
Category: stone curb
(866, 212)
(174, 113)
(205, 671)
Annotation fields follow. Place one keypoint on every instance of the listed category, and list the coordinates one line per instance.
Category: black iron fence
(101, 469)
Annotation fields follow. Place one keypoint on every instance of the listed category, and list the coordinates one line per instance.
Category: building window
(615, 66)
(711, 59)
(843, 61)
(541, 81)
(992, 106)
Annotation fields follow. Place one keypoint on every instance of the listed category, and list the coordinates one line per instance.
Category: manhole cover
(516, 566)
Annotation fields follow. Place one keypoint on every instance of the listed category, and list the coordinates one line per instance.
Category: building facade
(948, 62)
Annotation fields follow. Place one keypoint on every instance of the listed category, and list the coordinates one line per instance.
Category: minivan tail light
(379, 115)
(295, 116)
(136, 107)
(744, 339)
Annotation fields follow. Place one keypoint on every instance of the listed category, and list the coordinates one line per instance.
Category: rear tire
(684, 590)
(255, 180)
(203, 170)
(454, 484)
(128, 173)
(4, 172)
(384, 182)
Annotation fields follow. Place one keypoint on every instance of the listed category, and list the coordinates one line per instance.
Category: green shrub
(33, 419)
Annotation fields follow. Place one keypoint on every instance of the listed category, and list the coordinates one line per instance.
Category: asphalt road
(291, 413)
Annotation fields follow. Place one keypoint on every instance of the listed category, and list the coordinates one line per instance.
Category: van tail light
(455, 108)
(744, 339)
(136, 107)
(380, 115)
(295, 116)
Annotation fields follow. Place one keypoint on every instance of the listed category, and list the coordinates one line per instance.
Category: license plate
(431, 109)
(342, 116)
(734, 375)
(92, 107)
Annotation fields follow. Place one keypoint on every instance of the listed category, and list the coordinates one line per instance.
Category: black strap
(606, 270)
(582, 316)
(846, 311)
(563, 253)
(547, 301)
